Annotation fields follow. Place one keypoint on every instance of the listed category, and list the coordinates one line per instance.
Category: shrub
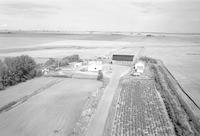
(38, 73)
(63, 62)
(1, 86)
(100, 75)
(148, 59)
(50, 62)
(53, 63)
(72, 58)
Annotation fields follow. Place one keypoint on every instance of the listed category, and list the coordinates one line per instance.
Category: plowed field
(140, 110)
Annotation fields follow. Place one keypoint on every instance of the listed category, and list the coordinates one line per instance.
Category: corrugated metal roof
(122, 57)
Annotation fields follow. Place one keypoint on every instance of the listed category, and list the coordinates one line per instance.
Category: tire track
(19, 101)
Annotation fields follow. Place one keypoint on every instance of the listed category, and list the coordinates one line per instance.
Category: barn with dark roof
(122, 59)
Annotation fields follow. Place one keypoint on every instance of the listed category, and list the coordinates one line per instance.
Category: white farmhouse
(76, 65)
(94, 66)
(45, 71)
(139, 67)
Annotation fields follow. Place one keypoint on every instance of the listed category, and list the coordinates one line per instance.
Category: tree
(19, 69)
(100, 75)
(72, 58)
(2, 74)
(50, 62)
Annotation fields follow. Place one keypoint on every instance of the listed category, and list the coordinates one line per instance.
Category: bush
(50, 62)
(100, 75)
(53, 63)
(148, 60)
(63, 62)
(72, 58)
(1, 86)
(38, 73)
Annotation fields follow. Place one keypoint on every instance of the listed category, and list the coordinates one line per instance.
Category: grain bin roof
(122, 57)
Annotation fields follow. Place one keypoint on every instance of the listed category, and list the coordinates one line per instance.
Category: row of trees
(14, 70)
(62, 62)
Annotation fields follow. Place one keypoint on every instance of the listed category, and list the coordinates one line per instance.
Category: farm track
(16, 103)
(140, 110)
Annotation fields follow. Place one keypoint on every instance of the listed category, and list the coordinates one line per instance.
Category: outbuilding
(94, 66)
(122, 59)
(139, 67)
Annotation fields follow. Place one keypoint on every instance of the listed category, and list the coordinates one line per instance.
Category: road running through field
(97, 125)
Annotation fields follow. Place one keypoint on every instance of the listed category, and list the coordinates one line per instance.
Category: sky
(173, 16)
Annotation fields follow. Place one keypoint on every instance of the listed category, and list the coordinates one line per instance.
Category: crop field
(18, 91)
(60, 53)
(30, 39)
(140, 110)
(54, 111)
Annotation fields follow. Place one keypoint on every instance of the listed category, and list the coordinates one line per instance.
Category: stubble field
(54, 111)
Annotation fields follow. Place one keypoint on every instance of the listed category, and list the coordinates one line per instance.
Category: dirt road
(97, 125)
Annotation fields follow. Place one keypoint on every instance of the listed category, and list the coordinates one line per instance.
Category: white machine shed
(95, 66)
(140, 66)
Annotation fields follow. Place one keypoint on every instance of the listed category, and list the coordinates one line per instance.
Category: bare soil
(51, 112)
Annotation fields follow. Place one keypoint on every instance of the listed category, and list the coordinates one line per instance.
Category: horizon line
(96, 31)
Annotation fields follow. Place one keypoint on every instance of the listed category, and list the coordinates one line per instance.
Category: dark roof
(122, 57)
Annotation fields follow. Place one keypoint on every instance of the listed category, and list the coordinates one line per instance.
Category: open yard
(54, 111)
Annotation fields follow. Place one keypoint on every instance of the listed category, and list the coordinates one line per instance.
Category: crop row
(139, 111)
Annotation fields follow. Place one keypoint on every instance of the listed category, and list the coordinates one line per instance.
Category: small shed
(77, 64)
(140, 66)
(45, 71)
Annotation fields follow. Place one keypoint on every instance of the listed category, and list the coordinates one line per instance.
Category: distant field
(29, 39)
(51, 112)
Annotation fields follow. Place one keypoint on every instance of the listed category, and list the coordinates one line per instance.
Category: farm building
(94, 65)
(122, 59)
(45, 71)
(77, 65)
(139, 67)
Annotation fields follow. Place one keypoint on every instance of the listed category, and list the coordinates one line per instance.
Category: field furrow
(140, 111)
